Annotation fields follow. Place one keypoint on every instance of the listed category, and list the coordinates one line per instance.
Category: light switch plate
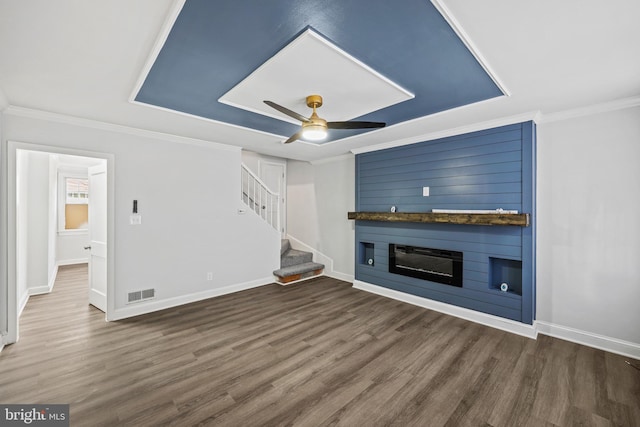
(425, 191)
(135, 219)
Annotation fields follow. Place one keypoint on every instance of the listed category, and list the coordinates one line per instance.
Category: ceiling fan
(315, 128)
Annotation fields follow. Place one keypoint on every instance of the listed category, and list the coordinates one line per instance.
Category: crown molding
(605, 107)
(342, 157)
(16, 111)
(489, 124)
(536, 116)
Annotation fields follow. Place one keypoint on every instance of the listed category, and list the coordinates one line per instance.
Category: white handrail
(257, 195)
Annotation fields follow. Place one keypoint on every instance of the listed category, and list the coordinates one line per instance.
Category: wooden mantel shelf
(521, 220)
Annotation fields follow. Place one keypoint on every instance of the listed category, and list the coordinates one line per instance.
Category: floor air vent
(138, 296)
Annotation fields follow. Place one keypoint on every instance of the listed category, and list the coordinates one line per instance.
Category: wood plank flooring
(312, 354)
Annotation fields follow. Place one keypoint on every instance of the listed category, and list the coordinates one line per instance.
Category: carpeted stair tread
(298, 269)
(294, 256)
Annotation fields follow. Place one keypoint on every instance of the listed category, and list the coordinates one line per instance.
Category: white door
(274, 175)
(98, 236)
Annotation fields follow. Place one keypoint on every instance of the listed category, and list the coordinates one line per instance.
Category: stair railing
(259, 198)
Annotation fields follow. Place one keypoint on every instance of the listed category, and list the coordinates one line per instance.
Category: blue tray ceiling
(214, 45)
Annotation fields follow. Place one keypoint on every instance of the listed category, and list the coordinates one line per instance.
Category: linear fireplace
(435, 265)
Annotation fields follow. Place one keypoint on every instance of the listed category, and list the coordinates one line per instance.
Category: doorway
(48, 187)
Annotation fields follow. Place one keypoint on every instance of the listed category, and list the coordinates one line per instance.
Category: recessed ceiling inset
(311, 64)
(220, 60)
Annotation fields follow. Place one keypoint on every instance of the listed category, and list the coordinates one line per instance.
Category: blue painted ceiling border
(215, 45)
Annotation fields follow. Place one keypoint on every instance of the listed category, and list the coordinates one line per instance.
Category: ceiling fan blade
(294, 137)
(286, 111)
(355, 125)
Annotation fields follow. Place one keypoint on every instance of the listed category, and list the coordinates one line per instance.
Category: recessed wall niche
(367, 254)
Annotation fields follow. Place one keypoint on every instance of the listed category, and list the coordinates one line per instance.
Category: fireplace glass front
(435, 265)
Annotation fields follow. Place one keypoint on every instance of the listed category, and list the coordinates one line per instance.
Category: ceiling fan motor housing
(314, 101)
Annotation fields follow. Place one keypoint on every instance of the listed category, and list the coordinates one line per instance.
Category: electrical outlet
(425, 191)
(209, 276)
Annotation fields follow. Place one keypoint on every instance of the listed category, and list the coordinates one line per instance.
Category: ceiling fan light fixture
(315, 128)
(314, 131)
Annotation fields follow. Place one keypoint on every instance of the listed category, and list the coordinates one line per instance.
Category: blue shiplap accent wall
(489, 169)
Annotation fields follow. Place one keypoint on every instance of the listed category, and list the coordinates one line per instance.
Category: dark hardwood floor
(311, 354)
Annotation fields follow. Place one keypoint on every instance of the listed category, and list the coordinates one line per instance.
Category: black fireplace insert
(435, 265)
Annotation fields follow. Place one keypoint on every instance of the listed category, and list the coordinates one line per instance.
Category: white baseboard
(613, 345)
(23, 303)
(39, 290)
(512, 326)
(98, 299)
(73, 261)
(340, 276)
(601, 342)
(157, 305)
(52, 279)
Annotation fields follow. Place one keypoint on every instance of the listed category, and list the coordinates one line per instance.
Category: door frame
(96, 249)
(11, 256)
(283, 195)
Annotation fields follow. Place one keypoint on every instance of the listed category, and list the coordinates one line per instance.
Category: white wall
(38, 221)
(188, 197)
(320, 195)
(32, 224)
(252, 160)
(22, 221)
(52, 215)
(588, 275)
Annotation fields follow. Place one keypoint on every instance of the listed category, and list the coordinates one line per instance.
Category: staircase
(259, 198)
(295, 264)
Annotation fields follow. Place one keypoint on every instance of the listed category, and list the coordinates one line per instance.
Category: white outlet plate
(135, 219)
(209, 276)
(425, 191)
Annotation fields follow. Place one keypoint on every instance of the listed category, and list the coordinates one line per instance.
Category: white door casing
(98, 236)
(9, 322)
(274, 175)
